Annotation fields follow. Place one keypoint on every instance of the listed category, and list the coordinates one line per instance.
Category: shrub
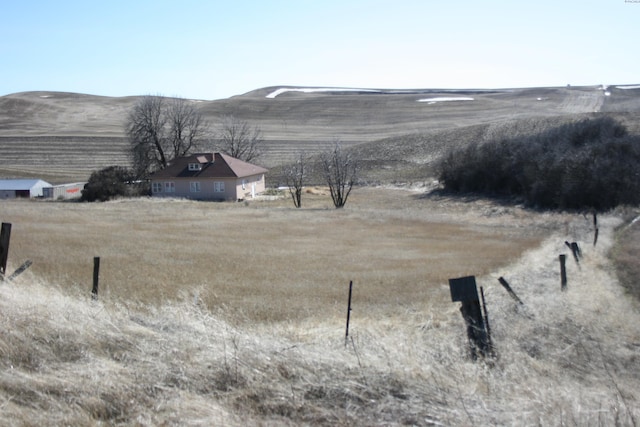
(111, 182)
(590, 163)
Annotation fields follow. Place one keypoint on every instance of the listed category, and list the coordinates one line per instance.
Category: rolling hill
(65, 136)
(232, 313)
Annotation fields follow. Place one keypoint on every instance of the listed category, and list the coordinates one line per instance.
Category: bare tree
(340, 170)
(238, 139)
(161, 129)
(186, 127)
(295, 175)
(144, 128)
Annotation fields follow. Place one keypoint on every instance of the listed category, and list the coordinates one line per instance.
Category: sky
(213, 49)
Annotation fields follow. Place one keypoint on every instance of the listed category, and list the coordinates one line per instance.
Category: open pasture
(399, 250)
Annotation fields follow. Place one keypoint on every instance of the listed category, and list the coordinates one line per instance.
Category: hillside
(65, 136)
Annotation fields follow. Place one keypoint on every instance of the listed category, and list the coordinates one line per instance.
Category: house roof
(22, 184)
(213, 165)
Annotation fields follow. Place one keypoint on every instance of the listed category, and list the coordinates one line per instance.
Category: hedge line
(590, 163)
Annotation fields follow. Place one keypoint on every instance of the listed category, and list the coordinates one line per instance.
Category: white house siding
(207, 189)
(252, 185)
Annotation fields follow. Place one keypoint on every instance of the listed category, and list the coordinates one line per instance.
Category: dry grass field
(234, 314)
(251, 257)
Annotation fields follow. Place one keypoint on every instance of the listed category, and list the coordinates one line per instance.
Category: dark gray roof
(213, 165)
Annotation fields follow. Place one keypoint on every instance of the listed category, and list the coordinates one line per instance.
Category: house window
(195, 187)
(195, 166)
(169, 187)
(156, 187)
(218, 187)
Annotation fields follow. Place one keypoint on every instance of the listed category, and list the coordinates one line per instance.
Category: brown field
(399, 249)
(233, 314)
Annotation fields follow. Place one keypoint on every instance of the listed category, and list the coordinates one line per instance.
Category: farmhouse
(21, 188)
(209, 176)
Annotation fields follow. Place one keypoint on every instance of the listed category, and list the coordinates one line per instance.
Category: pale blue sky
(216, 49)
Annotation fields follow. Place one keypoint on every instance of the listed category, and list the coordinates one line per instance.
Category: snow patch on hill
(316, 89)
(445, 99)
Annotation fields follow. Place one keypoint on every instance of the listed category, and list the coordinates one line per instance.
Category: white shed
(21, 188)
(64, 191)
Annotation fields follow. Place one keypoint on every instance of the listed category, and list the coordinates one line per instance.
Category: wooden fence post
(486, 323)
(20, 270)
(5, 238)
(505, 285)
(96, 277)
(464, 289)
(563, 272)
(575, 250)
(346, 335)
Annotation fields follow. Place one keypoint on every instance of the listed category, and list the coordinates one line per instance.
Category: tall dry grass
(564, 358)
(626, 253)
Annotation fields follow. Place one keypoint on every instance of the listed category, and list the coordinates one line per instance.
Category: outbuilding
(21, 188)
(64, 191)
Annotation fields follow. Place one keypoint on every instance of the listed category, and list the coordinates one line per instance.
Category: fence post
(96, 276)
(490, 349)
(20, 270)
(5, 237)
(505, 285)
(464, 289)
(346, 335)
(563, 272)
(575, 250)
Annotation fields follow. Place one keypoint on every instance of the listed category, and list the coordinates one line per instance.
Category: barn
(21, 188)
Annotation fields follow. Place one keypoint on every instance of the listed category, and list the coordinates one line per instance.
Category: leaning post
(20, 270)
(506, 285)
(346, 335)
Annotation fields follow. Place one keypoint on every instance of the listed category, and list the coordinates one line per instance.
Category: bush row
(590, 163)
(112, 182)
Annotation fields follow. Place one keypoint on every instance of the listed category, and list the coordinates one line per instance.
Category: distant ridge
(61, 135)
